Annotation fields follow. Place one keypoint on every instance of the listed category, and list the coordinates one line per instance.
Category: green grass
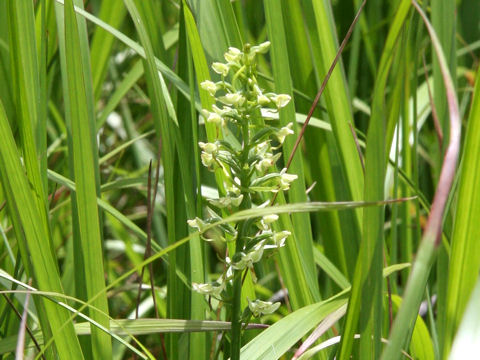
(92, 91)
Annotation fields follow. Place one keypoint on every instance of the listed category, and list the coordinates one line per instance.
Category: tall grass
(383, 259)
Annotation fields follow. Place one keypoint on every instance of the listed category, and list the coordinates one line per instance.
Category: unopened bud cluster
(248, 164)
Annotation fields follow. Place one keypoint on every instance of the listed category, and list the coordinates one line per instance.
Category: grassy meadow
(329, 209)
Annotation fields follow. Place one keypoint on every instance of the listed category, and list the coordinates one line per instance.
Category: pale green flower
(212, 289)
(213, 117)
(280, 237)
(284, 132)
(209, 148)
(226, 201)
(268, 219)
(263, 100)
(235, 99)
(259, 307)
(263, 165)
(250, 258)
(285, 180)
(197, 223)
(233, 55)
(267, 162)
(209, 86)
(281, 100)
(223, 111)
(262, 148)
(261, 48)
(220, 68)
(264, 223)
(208, 160)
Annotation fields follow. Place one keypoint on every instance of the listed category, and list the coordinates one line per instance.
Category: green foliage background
(91, 92)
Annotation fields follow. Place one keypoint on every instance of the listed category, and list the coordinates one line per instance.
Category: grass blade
(84, 159)
(370, 258)
(465, 251)
(22, 206)
(432, 234)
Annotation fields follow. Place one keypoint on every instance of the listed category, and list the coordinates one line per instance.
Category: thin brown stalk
(322, 88)
(325, 81)
(28, 330)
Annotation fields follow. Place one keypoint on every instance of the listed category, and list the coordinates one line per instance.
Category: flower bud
(261, 48)
(268, 219)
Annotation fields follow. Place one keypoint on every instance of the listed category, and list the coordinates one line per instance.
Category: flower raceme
(246, 158)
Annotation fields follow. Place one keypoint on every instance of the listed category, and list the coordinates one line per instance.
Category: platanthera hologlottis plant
(246, 155)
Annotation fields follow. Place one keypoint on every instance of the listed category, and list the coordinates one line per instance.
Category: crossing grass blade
(280, 337)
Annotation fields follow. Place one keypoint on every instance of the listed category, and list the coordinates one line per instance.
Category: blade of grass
(190, 174)
(467, 339)
(338, 103)
(370, 258)
(280, 337)
(445, 27)
(27, 95)
(84, 159)
(22, 205)
(432, 234)
(301, 222)
(112, 12)
(465, 251)
(163, 126)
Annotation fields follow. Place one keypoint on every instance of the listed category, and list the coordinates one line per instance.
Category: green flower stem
(243, 231)
(236, 333)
